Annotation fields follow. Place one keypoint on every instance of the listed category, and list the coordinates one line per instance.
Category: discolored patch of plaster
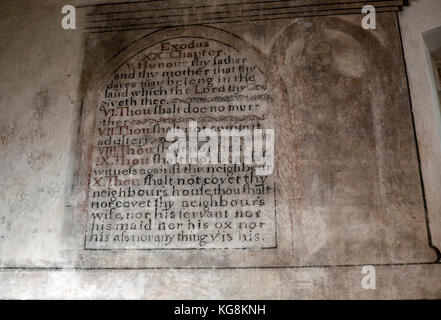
(347, 53)
(37, 160)
(6, 132)
(41, 104)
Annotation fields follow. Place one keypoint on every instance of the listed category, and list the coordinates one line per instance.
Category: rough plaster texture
(425, 16)
(40, 100)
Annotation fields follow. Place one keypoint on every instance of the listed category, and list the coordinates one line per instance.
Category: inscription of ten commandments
(136, 198)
